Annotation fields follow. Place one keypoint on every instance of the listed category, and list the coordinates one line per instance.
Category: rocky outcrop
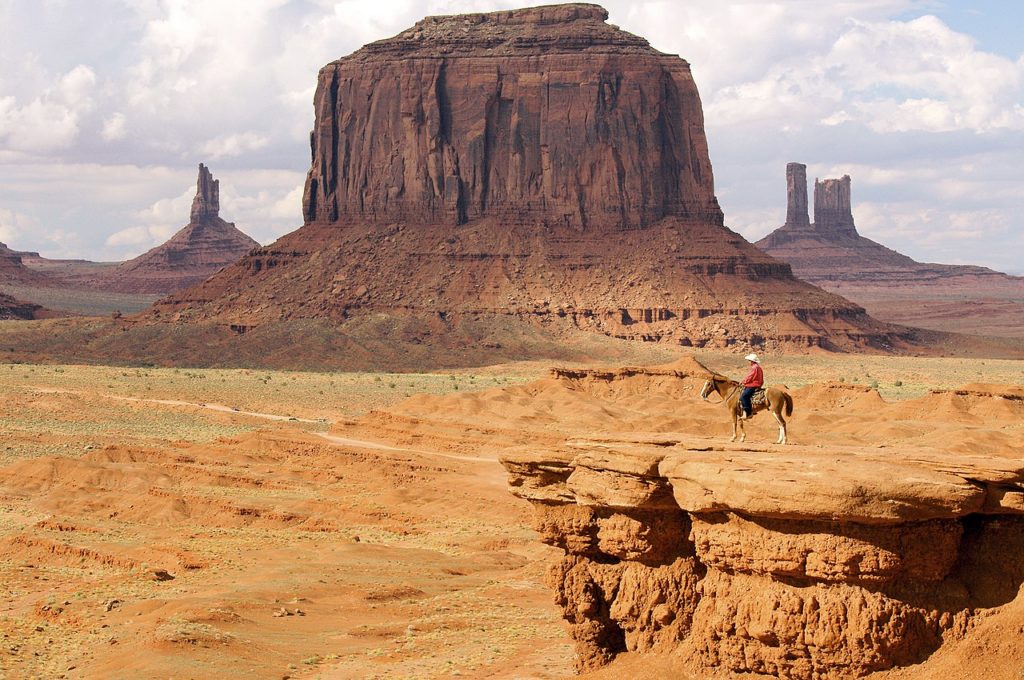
(547, 115)
(800, 563)
(833, 212)
(831, 253)
(206, 203)
(796, 196)
(534, 167)
(205, 245)
(12, 308)
(14, 270)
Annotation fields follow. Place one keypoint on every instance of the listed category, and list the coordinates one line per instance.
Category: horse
(777, 398)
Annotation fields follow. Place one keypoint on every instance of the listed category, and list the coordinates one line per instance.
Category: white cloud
(146, 236)
(76, 87)
(234, 145)
(894, 76)
(50, 120)
(13, 225)
(174, 210)
(114, 127)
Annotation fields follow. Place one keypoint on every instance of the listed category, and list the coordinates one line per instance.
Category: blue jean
(748, 394)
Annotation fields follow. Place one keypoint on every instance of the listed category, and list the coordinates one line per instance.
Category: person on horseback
(753, 382)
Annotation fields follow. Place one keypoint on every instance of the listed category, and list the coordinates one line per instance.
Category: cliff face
(547, 115)
(537, 166)
(206, 244)
(804, 561)
(14, 270)
(887, 536)
(831, 253)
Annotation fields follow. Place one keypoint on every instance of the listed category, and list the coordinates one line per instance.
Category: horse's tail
(789, 403)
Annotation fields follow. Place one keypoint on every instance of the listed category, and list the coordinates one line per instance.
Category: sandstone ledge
(791, 562)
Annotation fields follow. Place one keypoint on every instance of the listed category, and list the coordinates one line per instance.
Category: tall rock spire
(832, 211)
(206, 204)
(796, 195)
(204, 245)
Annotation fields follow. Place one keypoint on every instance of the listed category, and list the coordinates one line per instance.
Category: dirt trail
(176, 402)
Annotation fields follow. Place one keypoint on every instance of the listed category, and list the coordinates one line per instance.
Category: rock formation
(537, 166)
(831, 253)
(796, 196)
(521, 114)
(203, 246)
(832, 210)
(13, 269)
(796, 562)
(12, 308)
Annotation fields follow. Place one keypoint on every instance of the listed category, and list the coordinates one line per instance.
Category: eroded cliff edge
(797, 562)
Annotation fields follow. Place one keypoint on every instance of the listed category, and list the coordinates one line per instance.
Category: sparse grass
(87, 302)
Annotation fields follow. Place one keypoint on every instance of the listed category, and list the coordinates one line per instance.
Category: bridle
(713, 383)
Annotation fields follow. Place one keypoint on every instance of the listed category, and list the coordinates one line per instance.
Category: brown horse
(777, 398)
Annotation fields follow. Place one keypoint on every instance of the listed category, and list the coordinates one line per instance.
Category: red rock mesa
(534, 165)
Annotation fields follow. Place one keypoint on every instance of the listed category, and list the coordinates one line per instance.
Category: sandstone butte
(203, 246)
(804, 562)
(536, 165)
(829, 252)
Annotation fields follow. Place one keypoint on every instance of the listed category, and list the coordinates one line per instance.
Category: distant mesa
(13, 269)
(829, 252)
(533, 168)
(206, 244)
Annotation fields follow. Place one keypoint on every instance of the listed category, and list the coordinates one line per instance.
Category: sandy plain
(187, 523)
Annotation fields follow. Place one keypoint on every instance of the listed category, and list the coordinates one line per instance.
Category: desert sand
(209, 523)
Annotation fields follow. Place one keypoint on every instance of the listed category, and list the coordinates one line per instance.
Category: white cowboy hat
(752, 357)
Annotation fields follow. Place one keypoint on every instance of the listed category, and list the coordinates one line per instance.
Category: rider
(753, 382)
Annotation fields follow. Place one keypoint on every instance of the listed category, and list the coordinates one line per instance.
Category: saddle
(760, 398)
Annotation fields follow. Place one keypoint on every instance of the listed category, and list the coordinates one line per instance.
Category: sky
(108, 106)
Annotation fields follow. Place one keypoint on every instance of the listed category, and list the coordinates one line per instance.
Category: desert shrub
(898, 383)
(873, 384)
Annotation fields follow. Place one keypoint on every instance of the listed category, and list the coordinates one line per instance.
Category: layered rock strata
(831, 253)
(12, 308)
(807, 564)
(534, 165)
(14, 270)
(547, 115)
(833, 211)
(202, 247)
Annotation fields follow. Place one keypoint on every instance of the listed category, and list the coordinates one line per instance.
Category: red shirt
(755, 378)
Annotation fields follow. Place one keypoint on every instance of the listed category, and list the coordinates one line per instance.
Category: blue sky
(107, 107)
(996, 25)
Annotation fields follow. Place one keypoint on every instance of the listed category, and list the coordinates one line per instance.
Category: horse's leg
(782, 427)
(734, 421)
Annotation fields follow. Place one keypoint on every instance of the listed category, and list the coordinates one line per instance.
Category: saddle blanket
(759, 398)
